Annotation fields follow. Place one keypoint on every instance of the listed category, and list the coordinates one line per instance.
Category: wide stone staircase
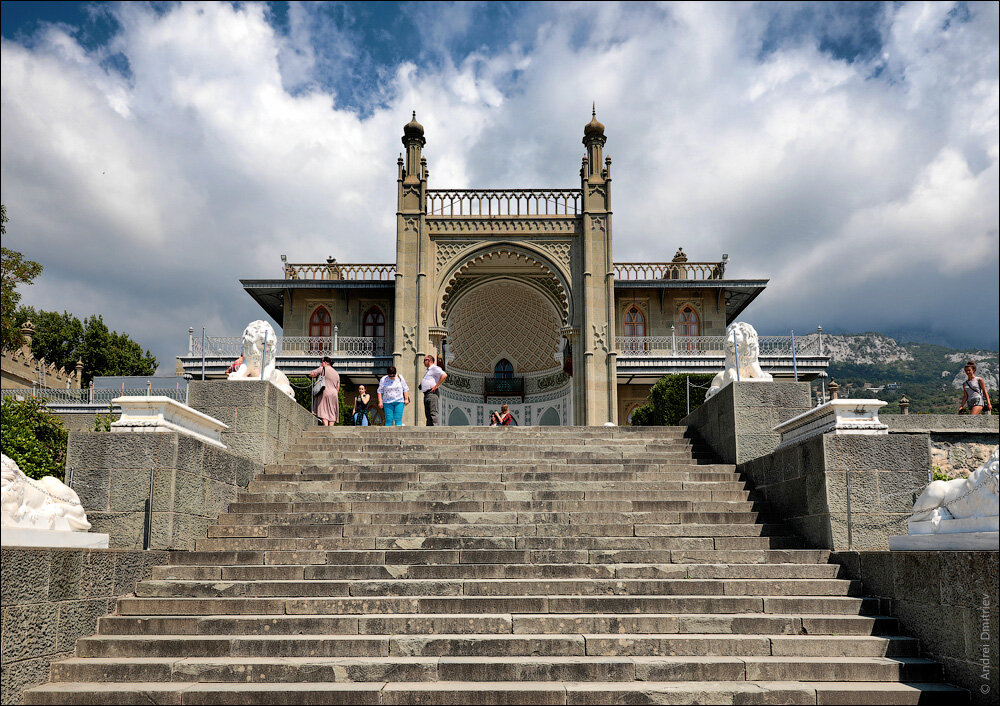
(525, 565)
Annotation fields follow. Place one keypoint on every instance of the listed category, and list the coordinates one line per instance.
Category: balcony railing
(355, 272)
(697, 346)
(669, 270)
(93, 396)
(503, 202)
(503, 387)
(334, 346)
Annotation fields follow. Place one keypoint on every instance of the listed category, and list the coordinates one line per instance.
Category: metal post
(91, 392)
(819, 331)
(736, 352)
(336, 334)
(202, 352)
(673, 339)
(190, 340)
(795, 365)
(147, 527)
(688, 378)
(263, 356)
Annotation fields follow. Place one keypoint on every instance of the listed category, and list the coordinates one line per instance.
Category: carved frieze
(485, 226)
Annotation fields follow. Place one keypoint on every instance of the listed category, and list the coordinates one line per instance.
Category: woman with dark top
(361, 407)
(974, 393)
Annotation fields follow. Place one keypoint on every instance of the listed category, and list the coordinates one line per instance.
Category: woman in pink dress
(326, 405)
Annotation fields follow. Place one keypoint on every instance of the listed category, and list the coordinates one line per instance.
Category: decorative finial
(414, 115)
(593, 109)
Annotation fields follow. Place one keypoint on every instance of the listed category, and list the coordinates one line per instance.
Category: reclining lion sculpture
(45, 504)
(257, 337)
(962, 498)
(743, 335)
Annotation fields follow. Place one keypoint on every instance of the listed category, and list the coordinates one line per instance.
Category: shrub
(666, 404)
(33, 437)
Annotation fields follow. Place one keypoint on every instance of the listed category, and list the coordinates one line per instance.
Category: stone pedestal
(22, 537)
(162, 414)
(954, 541)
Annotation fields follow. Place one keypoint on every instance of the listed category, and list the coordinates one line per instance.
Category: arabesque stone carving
(259, 344)
(743, 346)
(974, 498)
(46, 504)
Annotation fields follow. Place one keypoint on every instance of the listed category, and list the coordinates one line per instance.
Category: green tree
(14, 270)
(666, 404)
(63, 339)
(33, 437)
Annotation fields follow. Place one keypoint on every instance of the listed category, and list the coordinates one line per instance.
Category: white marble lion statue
(45, 504)
(745, 336)
(961, 498)
(258, 335)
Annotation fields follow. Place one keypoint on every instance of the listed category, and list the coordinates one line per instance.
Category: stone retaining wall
(51, 597)
(843, 491)
(946, 599)
(738, 420)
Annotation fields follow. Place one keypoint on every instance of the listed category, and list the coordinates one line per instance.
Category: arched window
(320, 323)
(687, 322)
(503, 370)
(635, 322)
(634, 330)
(373, 326)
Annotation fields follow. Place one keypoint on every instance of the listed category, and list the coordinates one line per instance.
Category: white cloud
(865, 190)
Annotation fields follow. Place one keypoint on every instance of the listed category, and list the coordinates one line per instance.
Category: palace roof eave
(270, 293)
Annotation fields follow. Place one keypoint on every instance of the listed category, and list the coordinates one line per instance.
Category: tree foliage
(33, 437)
(14, 270)
(63, 339)
(666, 404)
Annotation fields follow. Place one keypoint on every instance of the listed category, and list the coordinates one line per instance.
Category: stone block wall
(193, 483)
(841, 491)
(52, 597)
(946, 599)
(736, 423)
(262, 420)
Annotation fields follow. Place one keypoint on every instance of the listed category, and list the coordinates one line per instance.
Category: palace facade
(518, 292)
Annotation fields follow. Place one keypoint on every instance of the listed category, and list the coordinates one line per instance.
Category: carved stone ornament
(741, 343)
(410, 338)
(601, 338)
(448, 249)
(46, 504)
(259, 345)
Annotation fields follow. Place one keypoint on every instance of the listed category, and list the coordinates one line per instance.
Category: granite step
(525, 692)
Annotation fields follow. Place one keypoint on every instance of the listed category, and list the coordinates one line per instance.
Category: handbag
(319, 385)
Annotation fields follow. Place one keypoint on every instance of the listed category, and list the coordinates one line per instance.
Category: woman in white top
(393, 395)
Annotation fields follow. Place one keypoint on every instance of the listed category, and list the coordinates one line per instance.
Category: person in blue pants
(393, 396)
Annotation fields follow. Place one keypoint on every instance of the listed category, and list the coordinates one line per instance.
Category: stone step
(498, 587)
(330, 492)
(520, 570)
(595, 445)
(232, 558)
(334, 483)
(444, 644)
(832, 605)
(304, 472)
(525, 692)
(494, 669)
(566, 476)
(280, 527)
(502, 623)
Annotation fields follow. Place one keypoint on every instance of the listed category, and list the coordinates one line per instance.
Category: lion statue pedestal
(259, 360)
(42, 513)
(742, 358)
(960, 514)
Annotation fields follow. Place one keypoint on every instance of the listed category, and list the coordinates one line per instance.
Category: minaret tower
(596, 390)
(413, 258)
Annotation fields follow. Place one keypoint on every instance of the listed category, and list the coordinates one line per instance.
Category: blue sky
(152, 154)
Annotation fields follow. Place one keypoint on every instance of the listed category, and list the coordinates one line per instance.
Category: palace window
(320, 323)
(503, 370)
(635, 323)
(687, 322)
(373, 326)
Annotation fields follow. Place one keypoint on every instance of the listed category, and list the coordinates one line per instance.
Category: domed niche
(501, 319)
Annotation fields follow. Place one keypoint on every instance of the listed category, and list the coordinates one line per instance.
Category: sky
(154, 154)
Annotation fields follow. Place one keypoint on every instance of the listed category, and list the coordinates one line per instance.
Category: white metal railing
(693, 346)
(669, 270)
(336, 345)
(503, 202)
(93, 396)
(333, 270)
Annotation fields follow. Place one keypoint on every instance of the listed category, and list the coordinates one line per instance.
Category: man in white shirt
(429, 386)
